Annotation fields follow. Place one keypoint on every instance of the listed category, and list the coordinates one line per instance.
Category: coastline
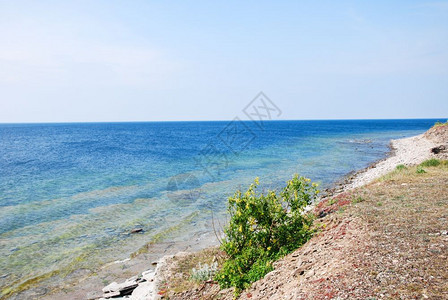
(402, 151)
(406, 151)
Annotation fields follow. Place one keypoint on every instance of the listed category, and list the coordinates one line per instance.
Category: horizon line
(224, 120)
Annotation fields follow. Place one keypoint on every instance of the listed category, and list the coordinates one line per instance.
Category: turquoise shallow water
(70, 193)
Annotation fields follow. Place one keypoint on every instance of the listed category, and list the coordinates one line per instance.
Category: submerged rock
(137, 230)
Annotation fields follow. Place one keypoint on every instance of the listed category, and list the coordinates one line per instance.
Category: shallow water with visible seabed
(71, 193)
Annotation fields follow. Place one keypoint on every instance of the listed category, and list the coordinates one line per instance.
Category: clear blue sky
(65, 61)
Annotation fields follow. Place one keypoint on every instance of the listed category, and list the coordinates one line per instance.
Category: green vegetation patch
(401, 167)
(430, 163)
(438, 124)
(420, 170)
(263, 228)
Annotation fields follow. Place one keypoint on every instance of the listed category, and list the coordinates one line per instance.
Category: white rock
(111, 294)
(128, 285)
(144, 291)
(149, 275)
(133, 278)
(113, 287)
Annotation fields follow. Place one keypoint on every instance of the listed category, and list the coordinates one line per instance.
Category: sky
(99, 61)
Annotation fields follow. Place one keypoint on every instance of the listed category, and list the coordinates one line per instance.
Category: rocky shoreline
(141, 287)
(342, 185)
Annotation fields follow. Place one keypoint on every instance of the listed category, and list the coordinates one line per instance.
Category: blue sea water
(72, 191)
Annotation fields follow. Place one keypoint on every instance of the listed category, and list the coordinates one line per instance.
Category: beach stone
(111, 294)
(144, 291)
(137, 230)
(438, 149)
(113, 287)
(133, 278)
(310, 273)
(127, 287)
(149, 275)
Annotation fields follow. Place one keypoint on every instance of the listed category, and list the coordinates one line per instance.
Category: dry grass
(185, 265)
(408, 229)
(178, 283)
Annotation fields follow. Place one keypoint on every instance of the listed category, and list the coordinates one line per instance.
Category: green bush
(420, 170)
(438, 123)
(262, 228)
(430, 163)
(401, 167)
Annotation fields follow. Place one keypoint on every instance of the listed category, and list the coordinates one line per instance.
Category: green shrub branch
(262, 228)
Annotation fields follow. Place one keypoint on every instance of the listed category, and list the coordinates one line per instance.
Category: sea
(70, 194)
